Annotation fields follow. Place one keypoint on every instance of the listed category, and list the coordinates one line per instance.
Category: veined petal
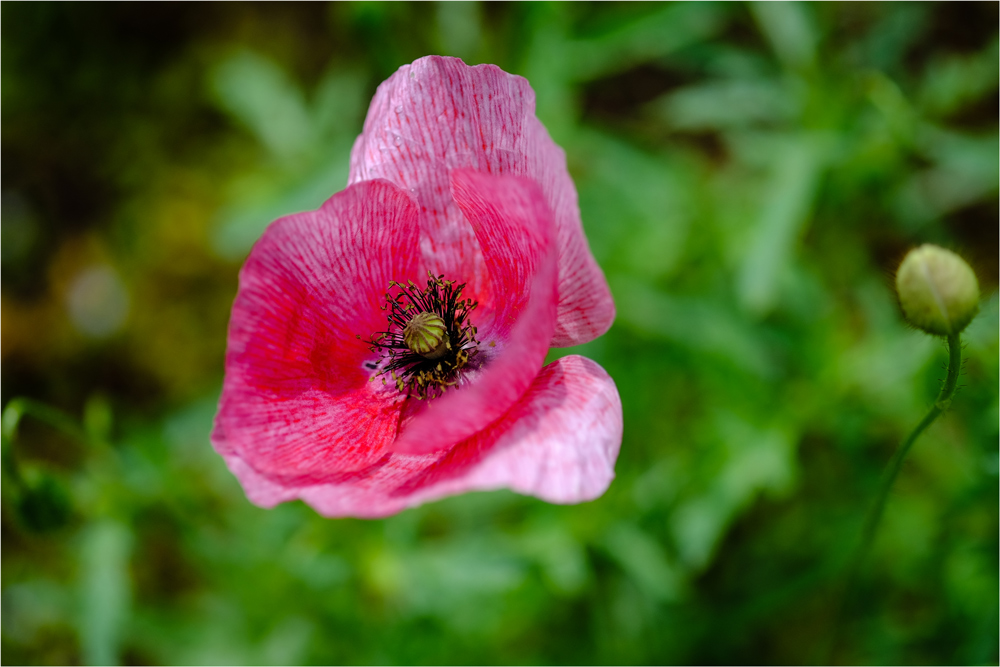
(437, 115)
(297, 404)
(364, 494)
(513, 226)
(559, 442)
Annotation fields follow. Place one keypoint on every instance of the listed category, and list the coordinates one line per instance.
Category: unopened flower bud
(937, 290)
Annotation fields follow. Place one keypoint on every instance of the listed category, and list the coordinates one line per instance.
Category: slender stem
(16, 409)
(57, 419)
(889, 478)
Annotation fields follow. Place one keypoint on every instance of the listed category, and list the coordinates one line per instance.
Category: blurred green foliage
(749, 176)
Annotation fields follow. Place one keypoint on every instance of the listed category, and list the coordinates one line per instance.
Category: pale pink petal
(559, 442)
(586, 308)
(297, 404)
(437, 115)
(259, 490)
(365, 494)
(513, 226)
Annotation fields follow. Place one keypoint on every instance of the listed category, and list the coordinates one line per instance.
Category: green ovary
(427, 336)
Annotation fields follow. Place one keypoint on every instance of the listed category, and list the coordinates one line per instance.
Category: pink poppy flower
(388, 348)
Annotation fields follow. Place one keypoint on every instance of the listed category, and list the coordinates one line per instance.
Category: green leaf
(104, 561)
(674, 27)
(261, 96)
(786, 208)
(789, 29)
(697, 324)
(644, 560)
(725, 104)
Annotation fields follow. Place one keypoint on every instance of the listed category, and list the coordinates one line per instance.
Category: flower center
(429, 338)
(426, 335)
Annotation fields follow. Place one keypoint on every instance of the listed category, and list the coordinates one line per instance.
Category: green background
(749, 178)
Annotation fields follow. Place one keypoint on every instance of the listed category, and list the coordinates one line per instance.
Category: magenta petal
(559, 442)
(437, 115)
(297, 405)
(365, 496)
(513, 225)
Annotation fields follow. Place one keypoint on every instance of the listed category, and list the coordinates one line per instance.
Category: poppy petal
(513, 226)
(558, 443)
(438, 114)
(298, 403)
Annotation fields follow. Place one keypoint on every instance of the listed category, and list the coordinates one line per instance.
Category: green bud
(937, 290)
(425, 334)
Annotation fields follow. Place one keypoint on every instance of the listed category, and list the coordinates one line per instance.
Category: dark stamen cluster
(415, 374)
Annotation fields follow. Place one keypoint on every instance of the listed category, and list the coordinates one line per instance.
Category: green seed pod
(425, 334)
(937, 290)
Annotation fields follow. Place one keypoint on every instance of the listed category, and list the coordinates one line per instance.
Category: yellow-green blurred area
(749, 178)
